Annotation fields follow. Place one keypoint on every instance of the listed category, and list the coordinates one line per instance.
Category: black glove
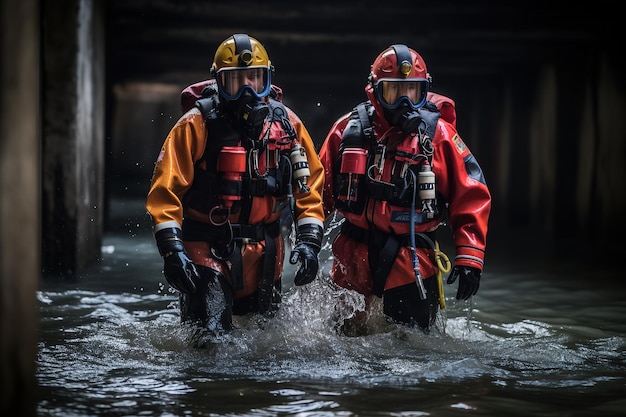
(469, 281)
(179, 270)
(308, 245)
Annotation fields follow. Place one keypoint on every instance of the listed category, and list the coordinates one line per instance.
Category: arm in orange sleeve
(174, 170)
(308, 207)
(463, 185)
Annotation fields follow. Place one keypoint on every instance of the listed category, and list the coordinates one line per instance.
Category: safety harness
(383, 247)
(211, 186)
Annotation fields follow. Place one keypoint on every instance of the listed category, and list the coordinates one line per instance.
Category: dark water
(542, 338)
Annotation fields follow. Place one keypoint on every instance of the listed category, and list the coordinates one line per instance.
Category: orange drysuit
(214, 199)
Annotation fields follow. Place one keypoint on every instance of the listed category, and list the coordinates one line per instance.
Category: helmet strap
(242, 43)
(402, 54)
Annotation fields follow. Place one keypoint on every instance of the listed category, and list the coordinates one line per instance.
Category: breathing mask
(401, 99)
(405, 118)
(244, 90)
(250, 113)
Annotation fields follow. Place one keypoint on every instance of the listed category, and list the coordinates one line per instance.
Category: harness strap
(194, 230)
(217, 236)
(366, 126)
(266, 286)
(255, 233)
(383, 249)
(381, 263)
(236, 266)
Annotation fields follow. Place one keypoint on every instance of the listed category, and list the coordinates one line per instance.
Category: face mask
(405, 118)
(251, 113)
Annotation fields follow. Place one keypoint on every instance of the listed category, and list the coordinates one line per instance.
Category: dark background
(322, 50)
(527, 78)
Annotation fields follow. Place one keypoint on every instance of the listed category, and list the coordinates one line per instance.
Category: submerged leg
(210, 308)
(403, 304)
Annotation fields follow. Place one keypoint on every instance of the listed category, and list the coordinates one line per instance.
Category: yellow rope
(443, 265)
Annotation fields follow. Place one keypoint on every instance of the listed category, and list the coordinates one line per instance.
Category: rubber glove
(306, 251)
(179, 270)
(469, 281)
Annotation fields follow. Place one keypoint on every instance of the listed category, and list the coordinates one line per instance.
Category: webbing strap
(236, 269)
(364, 118)
(383, 249)
(381, 263)
(266, 287)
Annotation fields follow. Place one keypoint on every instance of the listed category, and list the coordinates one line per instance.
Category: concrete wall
(51, 169)
(142, 114)
(19, 204)
(73, 132)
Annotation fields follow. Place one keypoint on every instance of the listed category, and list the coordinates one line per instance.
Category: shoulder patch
(458, 143)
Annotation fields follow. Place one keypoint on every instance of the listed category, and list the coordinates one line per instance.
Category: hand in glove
(469, 281)
(307, 248)
(179, 270)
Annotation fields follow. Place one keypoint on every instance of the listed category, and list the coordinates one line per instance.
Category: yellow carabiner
(443, 265)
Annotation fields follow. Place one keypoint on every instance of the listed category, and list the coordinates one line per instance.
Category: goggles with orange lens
(392, 92)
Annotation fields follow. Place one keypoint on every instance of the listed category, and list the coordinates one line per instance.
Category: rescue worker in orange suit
(227, 170)
(396, 172)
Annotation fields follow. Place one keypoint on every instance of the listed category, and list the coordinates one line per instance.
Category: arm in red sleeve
(463, 185)
(328, 156)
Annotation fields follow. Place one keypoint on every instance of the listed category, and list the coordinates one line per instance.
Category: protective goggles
(392, 92)
(233, 82)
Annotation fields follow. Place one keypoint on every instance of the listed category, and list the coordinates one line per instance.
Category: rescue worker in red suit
(397, 171)
(227, 170)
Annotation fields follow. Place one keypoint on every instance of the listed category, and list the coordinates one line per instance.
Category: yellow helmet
(241, 64)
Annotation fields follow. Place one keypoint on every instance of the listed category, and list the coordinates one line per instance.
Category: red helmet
(399, 76)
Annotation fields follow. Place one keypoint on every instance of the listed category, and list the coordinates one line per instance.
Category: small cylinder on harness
(300, 164)
(231, 162)
(406, 156)
(278, 141)
(427, 194)
(353, 163)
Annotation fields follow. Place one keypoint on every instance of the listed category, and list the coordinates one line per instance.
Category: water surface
(541, 338)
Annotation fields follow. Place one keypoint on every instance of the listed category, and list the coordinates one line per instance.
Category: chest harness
(233, 169)
(410, 185)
